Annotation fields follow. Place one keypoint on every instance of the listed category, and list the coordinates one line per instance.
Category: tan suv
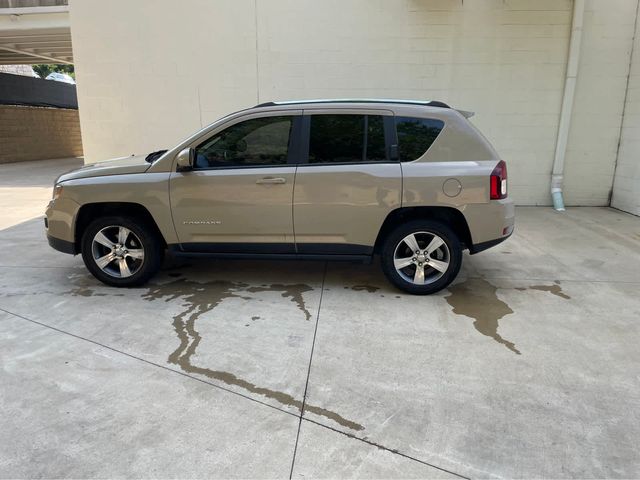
(414, 182)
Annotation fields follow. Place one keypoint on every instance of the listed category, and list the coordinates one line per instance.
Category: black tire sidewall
(444, 232)
(152, 250)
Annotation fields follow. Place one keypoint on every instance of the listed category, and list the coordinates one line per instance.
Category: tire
(142, 251)
(439, 267)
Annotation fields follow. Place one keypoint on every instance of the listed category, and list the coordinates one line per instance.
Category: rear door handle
(271, 180)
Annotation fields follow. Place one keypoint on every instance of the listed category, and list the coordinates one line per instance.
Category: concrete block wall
(38, 133)
(151, 72)
(626, 187)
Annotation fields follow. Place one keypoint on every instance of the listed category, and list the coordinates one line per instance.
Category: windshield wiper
(153, 156)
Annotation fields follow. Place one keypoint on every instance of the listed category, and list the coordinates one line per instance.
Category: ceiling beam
(14, 60)
(35, 35)
(34, 54)
(28, 43)
(49, 49)
(34, 10)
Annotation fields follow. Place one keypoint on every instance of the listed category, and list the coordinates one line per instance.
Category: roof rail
(425, 103)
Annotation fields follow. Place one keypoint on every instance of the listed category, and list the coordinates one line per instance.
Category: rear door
(346, 183)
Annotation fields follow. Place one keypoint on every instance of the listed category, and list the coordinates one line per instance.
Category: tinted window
(415, 136)
(260, 141)
(341, 139)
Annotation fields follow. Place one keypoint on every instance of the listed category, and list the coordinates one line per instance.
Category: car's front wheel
(120, 251)
(421, 257)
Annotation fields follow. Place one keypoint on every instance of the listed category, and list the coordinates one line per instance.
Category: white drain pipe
(573, 61)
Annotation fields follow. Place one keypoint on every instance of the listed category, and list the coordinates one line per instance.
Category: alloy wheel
(117, 251)
(421, 258)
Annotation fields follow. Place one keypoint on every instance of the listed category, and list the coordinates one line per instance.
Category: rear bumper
(62, 245)
(481, 247)
(489, 223)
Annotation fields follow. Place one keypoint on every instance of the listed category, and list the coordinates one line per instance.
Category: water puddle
(477, 299)
(200, 298)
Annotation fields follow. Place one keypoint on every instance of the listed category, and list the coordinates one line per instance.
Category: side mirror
(184, 160)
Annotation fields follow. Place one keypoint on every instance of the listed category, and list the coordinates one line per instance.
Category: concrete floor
(528, 366)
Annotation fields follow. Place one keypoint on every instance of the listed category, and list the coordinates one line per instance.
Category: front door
(238, 197)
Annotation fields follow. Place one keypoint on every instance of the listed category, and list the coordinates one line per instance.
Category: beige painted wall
(37, 133)
(626, 189)
(600, 91)
(151, 72)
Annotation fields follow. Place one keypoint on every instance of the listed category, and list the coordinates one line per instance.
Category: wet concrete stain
(553, 289)
(364, 288)
(293, 291)
(200, 298)
(476, 298)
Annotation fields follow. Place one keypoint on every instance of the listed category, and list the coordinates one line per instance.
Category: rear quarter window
(415, 136)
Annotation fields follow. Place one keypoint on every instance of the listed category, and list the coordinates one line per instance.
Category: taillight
(498, 182)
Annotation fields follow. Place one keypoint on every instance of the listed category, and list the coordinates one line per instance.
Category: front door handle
(271, 180)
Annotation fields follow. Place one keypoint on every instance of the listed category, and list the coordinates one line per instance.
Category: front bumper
(59, 224)
(62, 245)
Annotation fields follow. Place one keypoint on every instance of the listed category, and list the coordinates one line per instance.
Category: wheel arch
(90, 211)
(450, 216)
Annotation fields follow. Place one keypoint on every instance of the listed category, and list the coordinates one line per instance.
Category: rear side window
(346, 139)
(415, 136)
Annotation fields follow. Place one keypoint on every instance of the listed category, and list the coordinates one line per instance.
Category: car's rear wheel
(421, 257)
(121, 251)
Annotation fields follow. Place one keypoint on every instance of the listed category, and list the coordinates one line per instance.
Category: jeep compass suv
(413, 182)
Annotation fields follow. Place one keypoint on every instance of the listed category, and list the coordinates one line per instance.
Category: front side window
(346, 139)
(415, 136)
(255, 142)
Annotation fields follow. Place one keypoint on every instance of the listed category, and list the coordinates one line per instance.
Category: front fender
(150, 190)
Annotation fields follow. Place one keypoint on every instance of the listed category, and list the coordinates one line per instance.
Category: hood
(117, 166)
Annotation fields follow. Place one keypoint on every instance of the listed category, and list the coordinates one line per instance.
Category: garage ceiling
(30, 35)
